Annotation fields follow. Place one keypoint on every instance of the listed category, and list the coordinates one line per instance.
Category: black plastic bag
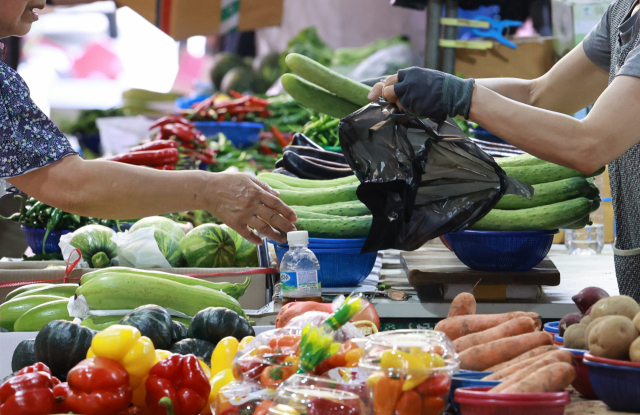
(420, 179)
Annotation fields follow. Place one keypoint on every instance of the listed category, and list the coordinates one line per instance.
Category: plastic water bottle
(299, 270)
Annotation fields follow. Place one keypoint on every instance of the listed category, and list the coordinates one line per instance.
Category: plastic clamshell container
(241, 134)
(552, 327)
(309, 394)
(35, 237)
(469, 380)
(476, 401)
(501, 251)
(424, 359)
(339, 267)
(615, 382)
(582, 382)
(240, 397)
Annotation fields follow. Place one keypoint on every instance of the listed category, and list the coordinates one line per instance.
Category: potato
(574, 337)
(636, 321)
(591, 325)
(612, 338)
(586, 320)
(634, 350)
(621, 305)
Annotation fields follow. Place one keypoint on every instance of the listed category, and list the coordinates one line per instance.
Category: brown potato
(622, 305)
(612, 338)
(636, 321)
(591, 325)
(634, 350)
(574, 337)
(586, 320)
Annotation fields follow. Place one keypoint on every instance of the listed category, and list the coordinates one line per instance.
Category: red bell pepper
(99, 386)
(155, 145)
(169, 119)
(323, 406)
(149, 158)
(61, 392)
(37, 367)
(28, 394)
(181, 379)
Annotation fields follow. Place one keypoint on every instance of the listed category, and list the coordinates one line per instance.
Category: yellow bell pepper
(162, 354)
(127, 346)
(219, 380)
(282, 409)
(294, 361)
(205, 369)
(245, 341)
(411, 362)
(352, 358)
(223, 354)
(438, 361)
(373, 379)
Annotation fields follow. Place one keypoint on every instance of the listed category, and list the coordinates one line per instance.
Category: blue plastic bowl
(35, 237)
(616, 385)
(331, 243)
(471, 379)
(186, 103)
(241, 134)
(501, 251)
(342, 267)
(558, 339)
(552, 327)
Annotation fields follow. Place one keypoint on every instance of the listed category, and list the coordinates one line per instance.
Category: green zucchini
(348, 227)
(355, 208)
(100, 323)
(544, 173)
(547, 193)
(39, 316)
(586, 221)
(519, 161)
(308, 184)
(324, 77)
(319, 196)
(60, 290)
(316, 98)
(25, 288)
(539, 218)
(13, 309)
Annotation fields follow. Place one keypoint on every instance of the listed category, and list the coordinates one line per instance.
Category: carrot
(459, 326)
(464, 304)
(553, 357)
(532, 353)
(490, 354)
(519, 325)
(509, 370)
(552, 378)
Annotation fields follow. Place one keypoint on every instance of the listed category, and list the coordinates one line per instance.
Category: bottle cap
(298, 238)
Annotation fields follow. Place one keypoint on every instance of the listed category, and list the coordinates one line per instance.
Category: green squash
(178, 331)
(199, 348)
(24, 355)
(61, 345)
(215, 323)
(24, 289)
(154, 322)
(92, 240)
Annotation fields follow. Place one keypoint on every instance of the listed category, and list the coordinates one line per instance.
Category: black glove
(433, 94)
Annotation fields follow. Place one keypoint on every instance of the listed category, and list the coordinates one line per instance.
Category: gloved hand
(427, 93)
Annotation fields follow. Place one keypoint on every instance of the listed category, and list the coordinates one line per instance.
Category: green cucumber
(539, 218)
(595, 205)
(60, 290)
(348, 227)
(544, 173)
(309, 184)
(355, 208)
(547, 194)
(519, 161)
(594, 191)
(319, 196)
(316, 98)
(23, 289)
(39, 316)
(13, 309)
(586, 221)
(332, 81)
(282, 186)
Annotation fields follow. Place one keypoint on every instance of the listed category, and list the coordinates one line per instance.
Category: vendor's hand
(427, 93)
(242, 202)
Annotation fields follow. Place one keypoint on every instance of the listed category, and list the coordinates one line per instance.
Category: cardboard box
(532, 59)
(573, 20)
(182, 19)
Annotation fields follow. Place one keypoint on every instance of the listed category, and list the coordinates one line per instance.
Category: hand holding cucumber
(242, 202)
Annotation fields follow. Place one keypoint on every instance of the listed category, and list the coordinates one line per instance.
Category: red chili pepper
(206, 103)
(28, 394)
(232, 103)
(169, 119)
(99, 386)
(323, 406)
(150, 158)
(281, 140)
(166, 167)
(182, 132)
(266, 150)
(181, 379)
(235, 94)
(244, 110)
(221, 117)
(155, 145)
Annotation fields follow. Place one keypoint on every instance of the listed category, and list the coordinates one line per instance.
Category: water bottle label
(304, 280)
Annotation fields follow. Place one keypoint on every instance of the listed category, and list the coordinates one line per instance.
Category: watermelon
(92, 240)
(246, 252)
(160, 222)
(169, 247)
(208, 246)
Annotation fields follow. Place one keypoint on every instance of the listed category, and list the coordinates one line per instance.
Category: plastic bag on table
(421, 179)
(140, 249)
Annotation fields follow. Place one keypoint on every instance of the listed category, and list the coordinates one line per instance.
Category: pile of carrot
(509, 345)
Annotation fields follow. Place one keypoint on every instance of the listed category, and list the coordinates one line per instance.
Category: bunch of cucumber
(563, 198)
(325, 208)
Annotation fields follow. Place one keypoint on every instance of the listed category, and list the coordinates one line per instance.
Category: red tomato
(432, 406)
(435, 385)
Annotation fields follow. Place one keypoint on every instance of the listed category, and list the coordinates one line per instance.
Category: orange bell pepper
(289, 344)
(410, 403)
(273, 376)
(386, 395)
(352, 358)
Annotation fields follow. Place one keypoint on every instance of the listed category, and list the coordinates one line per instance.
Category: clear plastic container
(299, 270)
(409, 369)
(302, 394)
(586, 241)
(242, 398)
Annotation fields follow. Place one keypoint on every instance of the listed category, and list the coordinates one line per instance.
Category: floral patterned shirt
(28, 138)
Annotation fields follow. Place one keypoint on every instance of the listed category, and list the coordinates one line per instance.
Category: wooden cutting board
(438, 266)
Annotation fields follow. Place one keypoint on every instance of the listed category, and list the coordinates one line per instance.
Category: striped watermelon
(160, 222)
(169, 247)
(208, 246)
(246, 252)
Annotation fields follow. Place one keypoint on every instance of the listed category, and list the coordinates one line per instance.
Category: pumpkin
(178, 331)
(61, 345)
(154, 322)
(215, 323)
(24, 355)
(199, 348)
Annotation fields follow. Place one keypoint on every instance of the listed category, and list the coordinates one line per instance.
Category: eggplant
(302, 140)
(318, 154)
(326, 163)
(308, 168)
(280, 164)
(285, 172)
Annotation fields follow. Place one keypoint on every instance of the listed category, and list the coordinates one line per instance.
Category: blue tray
(241, 134)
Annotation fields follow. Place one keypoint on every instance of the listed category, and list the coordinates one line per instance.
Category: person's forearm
(515, 89)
